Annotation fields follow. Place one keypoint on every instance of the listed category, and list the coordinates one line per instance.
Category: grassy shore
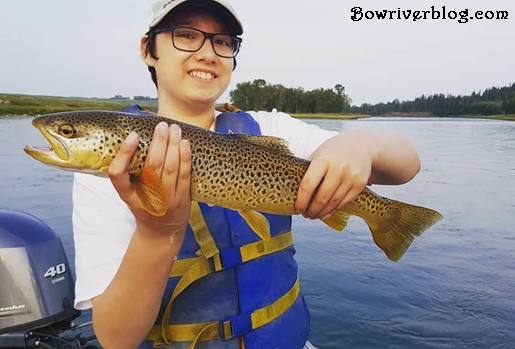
(27, 105)
(330, 116)
(431, 115)
(493, 117)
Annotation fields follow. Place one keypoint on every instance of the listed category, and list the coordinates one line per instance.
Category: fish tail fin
(395, 231)
(337, 221)
(151, 192)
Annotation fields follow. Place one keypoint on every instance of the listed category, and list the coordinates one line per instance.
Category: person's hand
(170, 158)
(340, 170)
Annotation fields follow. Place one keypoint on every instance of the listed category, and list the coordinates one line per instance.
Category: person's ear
(145, 54)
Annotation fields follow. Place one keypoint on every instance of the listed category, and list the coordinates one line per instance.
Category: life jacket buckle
(225, 259)
(225, 328)
(215, 263)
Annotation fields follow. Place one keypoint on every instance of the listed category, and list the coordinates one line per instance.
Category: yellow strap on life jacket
(248, 252)
(198, 270)
(211, 330)
(268, 314)
(185, 333)
(201, 231)
(193, 269)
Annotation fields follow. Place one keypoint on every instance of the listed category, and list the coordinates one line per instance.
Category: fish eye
(66, 131)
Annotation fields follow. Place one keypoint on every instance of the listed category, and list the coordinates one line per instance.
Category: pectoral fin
(258, 223)
(151, 192)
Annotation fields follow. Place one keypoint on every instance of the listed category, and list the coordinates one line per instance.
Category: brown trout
(250, 174)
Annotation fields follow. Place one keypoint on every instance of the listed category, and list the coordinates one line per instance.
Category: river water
(454, 288)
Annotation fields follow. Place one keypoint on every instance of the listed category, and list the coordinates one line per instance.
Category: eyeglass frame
(170, 29)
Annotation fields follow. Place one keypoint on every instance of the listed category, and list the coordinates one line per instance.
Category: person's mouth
(202, 75)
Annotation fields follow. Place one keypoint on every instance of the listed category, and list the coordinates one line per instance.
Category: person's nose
(207, 51)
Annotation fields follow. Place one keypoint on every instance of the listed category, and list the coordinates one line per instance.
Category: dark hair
(150, 43)
(150, 49)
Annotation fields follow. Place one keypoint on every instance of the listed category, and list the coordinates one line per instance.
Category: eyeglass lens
(189, 39)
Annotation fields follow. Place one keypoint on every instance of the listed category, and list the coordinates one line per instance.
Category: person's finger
(333, 203)
(158, 147)
(313, 177)
(323, 195)
(328, 203)
(351, 194)
(184, 176)
(171, 161)
(118, 168)
(343, 196)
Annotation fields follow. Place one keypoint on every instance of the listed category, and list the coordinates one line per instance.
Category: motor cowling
(36, 283)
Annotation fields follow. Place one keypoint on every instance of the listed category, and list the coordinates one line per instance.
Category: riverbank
(16, 106)
(431, 115)
(13, 105)
(493, 117)
(330, 116)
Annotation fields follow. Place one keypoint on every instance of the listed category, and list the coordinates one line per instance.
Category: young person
(199, 276)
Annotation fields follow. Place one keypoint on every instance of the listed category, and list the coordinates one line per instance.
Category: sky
(91, 48)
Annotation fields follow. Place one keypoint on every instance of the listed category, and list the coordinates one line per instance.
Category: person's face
(191, 77)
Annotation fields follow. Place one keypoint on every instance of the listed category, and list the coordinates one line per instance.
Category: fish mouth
(57, 154)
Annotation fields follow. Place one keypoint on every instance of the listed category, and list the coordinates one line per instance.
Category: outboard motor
(36, 285)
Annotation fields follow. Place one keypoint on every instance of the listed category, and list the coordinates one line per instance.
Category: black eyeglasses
(191, 40)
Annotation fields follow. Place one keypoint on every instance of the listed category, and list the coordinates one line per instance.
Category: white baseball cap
(160, 8)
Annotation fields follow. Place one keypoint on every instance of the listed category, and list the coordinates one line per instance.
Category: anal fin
(258, 223)
(337, 221)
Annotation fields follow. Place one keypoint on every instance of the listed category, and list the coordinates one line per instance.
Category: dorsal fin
(269, 142)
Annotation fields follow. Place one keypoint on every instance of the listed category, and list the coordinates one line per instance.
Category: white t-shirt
(103, 225)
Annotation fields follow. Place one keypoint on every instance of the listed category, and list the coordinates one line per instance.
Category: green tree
(260, 95)
(508, 106)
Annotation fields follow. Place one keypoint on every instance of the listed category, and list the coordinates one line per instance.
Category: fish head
(79, 141)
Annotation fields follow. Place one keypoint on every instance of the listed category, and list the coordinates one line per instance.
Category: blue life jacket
(228, 288)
